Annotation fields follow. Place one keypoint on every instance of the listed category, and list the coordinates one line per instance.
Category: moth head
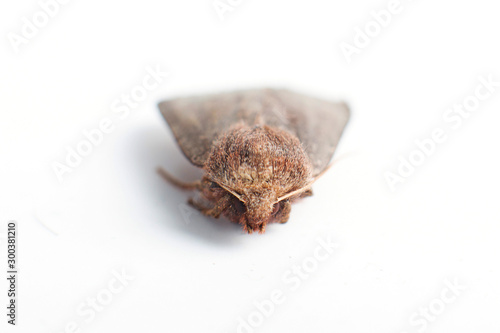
(259, 212)
(259, 166)
(254, 210)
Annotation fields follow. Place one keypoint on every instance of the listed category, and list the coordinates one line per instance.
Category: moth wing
(317, 123)
(196, 122)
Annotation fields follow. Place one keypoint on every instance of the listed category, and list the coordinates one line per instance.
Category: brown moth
(260, 150)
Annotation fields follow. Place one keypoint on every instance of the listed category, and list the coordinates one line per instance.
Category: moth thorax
(259, 158)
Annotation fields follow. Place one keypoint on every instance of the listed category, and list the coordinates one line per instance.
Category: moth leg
(285, 212)
(180, 184)
(219, 207)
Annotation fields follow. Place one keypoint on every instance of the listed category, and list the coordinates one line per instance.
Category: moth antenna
(196, 185)
(232, 192)
(307, 186)
(290, 194)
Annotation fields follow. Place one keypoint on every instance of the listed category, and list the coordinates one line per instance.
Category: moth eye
(239, 206)
(214, 186)
(276, 208)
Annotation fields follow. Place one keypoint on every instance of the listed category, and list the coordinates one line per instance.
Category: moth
(260, 150)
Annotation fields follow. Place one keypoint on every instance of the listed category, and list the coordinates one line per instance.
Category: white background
(396, 249)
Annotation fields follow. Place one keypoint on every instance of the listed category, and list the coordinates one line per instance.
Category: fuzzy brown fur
(260, 164)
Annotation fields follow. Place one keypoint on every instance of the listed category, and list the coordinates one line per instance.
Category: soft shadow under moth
(260, 150)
